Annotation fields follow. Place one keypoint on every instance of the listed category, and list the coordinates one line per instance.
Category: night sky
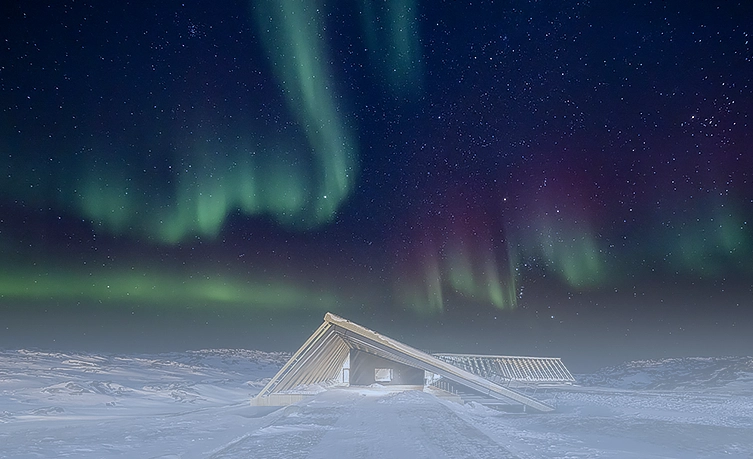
(531, 177)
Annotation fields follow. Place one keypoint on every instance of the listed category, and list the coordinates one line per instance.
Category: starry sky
(518, 176)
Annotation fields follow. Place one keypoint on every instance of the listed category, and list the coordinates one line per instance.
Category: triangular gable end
(320, 360)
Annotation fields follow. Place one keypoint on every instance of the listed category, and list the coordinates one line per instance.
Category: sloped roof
(321, 358)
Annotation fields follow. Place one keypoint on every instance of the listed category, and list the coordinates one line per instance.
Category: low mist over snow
(196, 405)
(730, 374)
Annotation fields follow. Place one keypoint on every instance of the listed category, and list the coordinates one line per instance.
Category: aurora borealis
(551, 169)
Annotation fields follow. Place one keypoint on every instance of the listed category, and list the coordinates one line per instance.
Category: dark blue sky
(554, 170)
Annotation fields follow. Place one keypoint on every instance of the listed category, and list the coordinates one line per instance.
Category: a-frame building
(343, 352)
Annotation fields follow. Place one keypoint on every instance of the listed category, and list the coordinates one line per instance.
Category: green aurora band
(120, 286)
(392, 39)
(291, 34)
(465, 268)
(299, 177)
(211, 167)
(708, 245)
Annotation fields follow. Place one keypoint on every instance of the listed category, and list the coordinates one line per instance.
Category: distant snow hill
(732, 375)
(206, 361)
(36, 383)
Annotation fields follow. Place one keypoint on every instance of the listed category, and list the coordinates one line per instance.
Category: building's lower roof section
(512, 369)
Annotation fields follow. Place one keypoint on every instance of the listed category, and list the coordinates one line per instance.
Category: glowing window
(382, 374)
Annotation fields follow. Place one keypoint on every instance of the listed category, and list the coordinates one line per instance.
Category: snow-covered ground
(196, 405)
